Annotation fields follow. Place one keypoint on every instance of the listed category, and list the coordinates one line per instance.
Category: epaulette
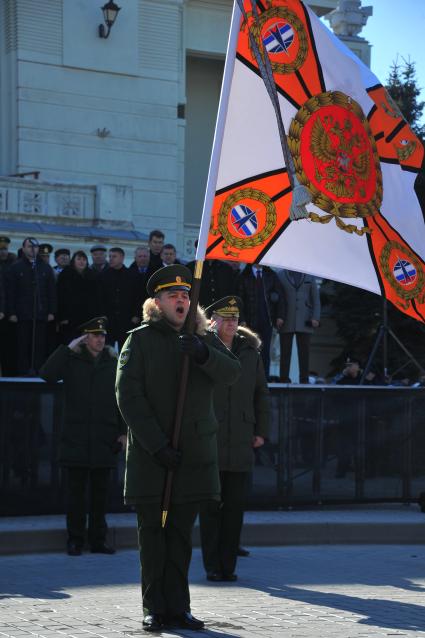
(143, 325)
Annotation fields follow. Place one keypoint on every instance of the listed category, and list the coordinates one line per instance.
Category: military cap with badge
(169, 278)
(45, 249)
(230, 306)
(97, 325)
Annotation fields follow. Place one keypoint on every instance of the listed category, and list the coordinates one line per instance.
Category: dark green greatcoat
(147, 383)
(243, 412)
(92, 422)
(243, 409)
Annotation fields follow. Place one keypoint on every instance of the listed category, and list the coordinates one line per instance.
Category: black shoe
(153, 622)
(230, 578)
(185, 620)
(102, 548)
(215, 576)
(242, 551)
(73, 549)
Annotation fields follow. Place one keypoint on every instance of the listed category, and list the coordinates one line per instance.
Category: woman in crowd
(78, 296)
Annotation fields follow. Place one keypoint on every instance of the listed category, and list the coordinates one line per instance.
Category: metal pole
(184, 375)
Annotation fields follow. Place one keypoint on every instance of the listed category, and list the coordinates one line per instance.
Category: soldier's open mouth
(180, 310)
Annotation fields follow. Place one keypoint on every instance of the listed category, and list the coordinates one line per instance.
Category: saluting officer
(147, 385)
(243, 413)
(93, 431)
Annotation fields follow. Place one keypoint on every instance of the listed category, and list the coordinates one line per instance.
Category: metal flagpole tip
(164, 517)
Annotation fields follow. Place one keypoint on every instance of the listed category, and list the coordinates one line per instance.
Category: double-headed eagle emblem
(342, 171)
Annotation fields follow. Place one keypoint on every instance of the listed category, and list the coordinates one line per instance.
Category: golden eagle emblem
(336, 158)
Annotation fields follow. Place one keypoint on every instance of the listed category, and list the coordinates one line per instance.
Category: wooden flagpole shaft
(190, 329)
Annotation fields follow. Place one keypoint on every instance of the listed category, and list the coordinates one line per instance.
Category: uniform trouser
(165, 555)
(7, 348)
(97, 479)
(303, 347)
(221, 524)
(24, 337)
(266, 332)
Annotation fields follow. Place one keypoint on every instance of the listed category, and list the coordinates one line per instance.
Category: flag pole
(202, 242)
(184, 375)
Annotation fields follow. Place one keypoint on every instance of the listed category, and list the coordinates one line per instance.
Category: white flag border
(219, 132)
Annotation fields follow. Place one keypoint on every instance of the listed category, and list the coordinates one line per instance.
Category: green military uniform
(147, 386)
(92, 425)
(242, 411)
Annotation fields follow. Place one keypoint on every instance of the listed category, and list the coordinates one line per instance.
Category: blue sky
(396, 28)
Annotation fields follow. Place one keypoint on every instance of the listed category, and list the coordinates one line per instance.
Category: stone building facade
(106, 139)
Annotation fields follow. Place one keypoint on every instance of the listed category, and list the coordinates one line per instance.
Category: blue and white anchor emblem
(278, 37)
(244, 220)
(404, 272)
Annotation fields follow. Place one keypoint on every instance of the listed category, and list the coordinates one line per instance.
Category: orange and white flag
(348, 144)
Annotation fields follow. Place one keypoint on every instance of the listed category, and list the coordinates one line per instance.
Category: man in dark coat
(148, 376)
(7, 329)
(120, 297)
(143, 270)
(156, 243)
(263, 304)
(302, 317)
(31, 295)
(243, 412)
(2, 298)
(93, 430)
(99, 262)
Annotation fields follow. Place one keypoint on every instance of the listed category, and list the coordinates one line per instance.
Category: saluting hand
(75, 343)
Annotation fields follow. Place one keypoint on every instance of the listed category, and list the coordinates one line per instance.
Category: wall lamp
(110, 12)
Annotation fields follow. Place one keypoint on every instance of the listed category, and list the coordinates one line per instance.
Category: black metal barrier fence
(328, 444)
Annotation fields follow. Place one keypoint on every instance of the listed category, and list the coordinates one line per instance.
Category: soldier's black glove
(194, 347)
(169, 457)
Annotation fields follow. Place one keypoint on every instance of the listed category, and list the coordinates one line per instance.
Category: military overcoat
(92, 422)
(148, 378)
(242, 409)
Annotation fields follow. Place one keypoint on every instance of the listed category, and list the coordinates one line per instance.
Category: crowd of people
(43, 303)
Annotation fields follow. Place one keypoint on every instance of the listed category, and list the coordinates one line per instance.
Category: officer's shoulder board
(141, 327)
(126, 351)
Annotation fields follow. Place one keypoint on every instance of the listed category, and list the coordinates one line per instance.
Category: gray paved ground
(337, 591)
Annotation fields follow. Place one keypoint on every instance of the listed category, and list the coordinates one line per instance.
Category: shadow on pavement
(378, 612)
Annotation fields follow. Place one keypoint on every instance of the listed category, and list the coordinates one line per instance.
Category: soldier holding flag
(147, 383)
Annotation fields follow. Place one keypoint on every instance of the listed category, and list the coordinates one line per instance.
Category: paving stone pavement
(293, 592)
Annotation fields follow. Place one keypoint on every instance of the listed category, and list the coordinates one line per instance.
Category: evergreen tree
(403, 88)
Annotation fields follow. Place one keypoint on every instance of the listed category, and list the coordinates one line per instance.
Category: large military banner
(348, 144)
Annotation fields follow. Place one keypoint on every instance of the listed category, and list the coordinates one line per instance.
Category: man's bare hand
(257, 441)
(50, 317)
(315, 323)
(13, 318)
(123, 440)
